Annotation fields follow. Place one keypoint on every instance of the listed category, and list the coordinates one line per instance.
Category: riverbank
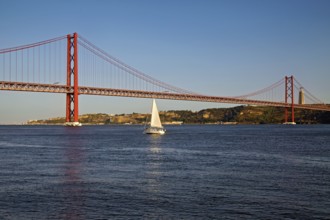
(234, 115)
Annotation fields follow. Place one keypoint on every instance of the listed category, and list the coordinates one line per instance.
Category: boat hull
(73, 124)
(289, 123)
(154, 130)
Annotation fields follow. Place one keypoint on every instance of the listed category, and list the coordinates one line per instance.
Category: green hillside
(239, 114)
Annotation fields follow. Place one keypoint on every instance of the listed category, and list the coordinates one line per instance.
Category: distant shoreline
(234, 115)
(172, 125)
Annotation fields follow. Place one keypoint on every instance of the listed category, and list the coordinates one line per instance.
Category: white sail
(155, 120)
(155, 124)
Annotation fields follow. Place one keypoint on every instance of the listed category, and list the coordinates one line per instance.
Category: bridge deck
(51, 88)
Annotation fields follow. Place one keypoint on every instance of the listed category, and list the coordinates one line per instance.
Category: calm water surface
(192, 172)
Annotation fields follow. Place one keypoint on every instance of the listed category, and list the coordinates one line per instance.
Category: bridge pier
(289, 95)
(72, 81)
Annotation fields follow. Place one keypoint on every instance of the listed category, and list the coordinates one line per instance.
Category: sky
(215, 47)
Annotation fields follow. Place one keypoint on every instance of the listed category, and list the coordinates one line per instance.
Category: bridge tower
(72, 81)
(289, 95)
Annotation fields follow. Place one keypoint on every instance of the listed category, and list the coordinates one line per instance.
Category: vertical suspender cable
(22, 74)
(3, 67)
(50, 63)
(39, 64)
(44, 63)
(9, 66)
(55, 63)
(16, 66)
(28, 65)
(33, 70)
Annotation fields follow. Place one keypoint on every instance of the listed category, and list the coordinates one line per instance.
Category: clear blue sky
(214, 47)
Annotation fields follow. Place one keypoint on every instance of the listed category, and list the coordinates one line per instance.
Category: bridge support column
(289, 95)
(72, 81)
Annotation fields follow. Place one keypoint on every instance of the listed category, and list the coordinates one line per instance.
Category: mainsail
(155, 120)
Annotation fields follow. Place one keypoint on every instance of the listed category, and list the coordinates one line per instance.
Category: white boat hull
(73, 124)
(154, 130)
(289, 123)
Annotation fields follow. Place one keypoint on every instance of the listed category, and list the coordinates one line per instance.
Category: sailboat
(155, 124)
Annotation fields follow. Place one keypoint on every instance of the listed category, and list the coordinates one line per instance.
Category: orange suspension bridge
(52, 66)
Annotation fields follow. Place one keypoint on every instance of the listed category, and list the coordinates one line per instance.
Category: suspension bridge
(52, 66)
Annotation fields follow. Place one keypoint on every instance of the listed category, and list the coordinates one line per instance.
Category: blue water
(192, 172)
